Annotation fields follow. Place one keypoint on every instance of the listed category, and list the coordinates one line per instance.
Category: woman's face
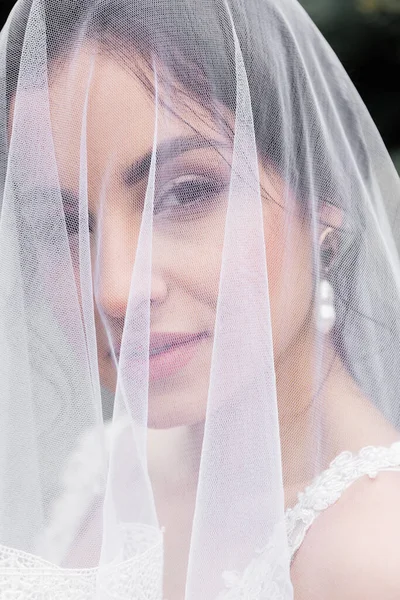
(190, 199)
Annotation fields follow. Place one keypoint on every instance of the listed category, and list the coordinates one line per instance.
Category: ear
(330, 216)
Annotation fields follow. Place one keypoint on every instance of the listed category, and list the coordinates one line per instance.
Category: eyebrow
(167, 151)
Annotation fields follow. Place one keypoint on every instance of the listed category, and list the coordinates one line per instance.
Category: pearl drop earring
(326, 307)
(326, 297)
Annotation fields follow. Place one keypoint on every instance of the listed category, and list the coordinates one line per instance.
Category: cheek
(203, 271)
(107, 370)
(289, 262)
(190, 257)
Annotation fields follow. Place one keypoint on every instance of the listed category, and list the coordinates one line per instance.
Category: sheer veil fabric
(199, 300)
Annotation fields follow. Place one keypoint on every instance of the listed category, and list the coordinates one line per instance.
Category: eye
(71, 215)
(40, 208)
(49, 219)
(71, 222)
(188, 192)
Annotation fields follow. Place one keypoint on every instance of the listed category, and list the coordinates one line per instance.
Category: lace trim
(27, 577)
(139, 572)
(267, 577)
(328, 487)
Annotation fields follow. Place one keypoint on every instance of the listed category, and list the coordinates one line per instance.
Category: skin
(120, 131)
(186, 264)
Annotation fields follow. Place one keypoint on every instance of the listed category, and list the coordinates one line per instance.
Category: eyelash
(72, 222)
(190, 191)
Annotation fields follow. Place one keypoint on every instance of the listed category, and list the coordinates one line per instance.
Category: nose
(114, 270)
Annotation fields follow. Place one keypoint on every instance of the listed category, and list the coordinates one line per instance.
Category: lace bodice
(261, 578)
(329, 486)
(26, 577)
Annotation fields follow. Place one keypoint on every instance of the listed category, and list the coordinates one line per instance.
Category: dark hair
(207, 70)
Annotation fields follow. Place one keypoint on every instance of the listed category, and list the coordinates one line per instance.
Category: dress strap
(328, 487)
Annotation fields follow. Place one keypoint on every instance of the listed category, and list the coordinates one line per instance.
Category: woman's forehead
(93, 94)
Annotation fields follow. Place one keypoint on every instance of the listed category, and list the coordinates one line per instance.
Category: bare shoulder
(352, 551)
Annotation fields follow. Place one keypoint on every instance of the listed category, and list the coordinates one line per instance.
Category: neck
(174, 459)
(312, 385)
(307, 376)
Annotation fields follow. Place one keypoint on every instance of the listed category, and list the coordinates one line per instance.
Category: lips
(169, 353)
(164, 342)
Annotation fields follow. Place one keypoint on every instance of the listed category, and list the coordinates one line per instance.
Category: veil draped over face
(199, 298)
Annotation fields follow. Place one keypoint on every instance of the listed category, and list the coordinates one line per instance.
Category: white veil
(199, 225)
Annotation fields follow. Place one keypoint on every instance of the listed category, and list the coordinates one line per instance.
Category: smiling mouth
(162, 343)
(168, 353)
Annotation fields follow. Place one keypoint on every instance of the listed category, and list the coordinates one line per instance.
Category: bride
(199, 218)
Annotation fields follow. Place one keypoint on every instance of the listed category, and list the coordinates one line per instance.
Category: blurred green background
(366, 36)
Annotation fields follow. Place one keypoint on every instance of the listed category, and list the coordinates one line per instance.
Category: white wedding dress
(83, 483)
(199, 215)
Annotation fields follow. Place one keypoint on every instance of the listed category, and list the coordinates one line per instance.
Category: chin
(168, 413)
(171, 402)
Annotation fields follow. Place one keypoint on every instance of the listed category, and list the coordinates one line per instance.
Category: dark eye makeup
(188, 193)
(182, 197)
(184, 189)
(71, 214)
